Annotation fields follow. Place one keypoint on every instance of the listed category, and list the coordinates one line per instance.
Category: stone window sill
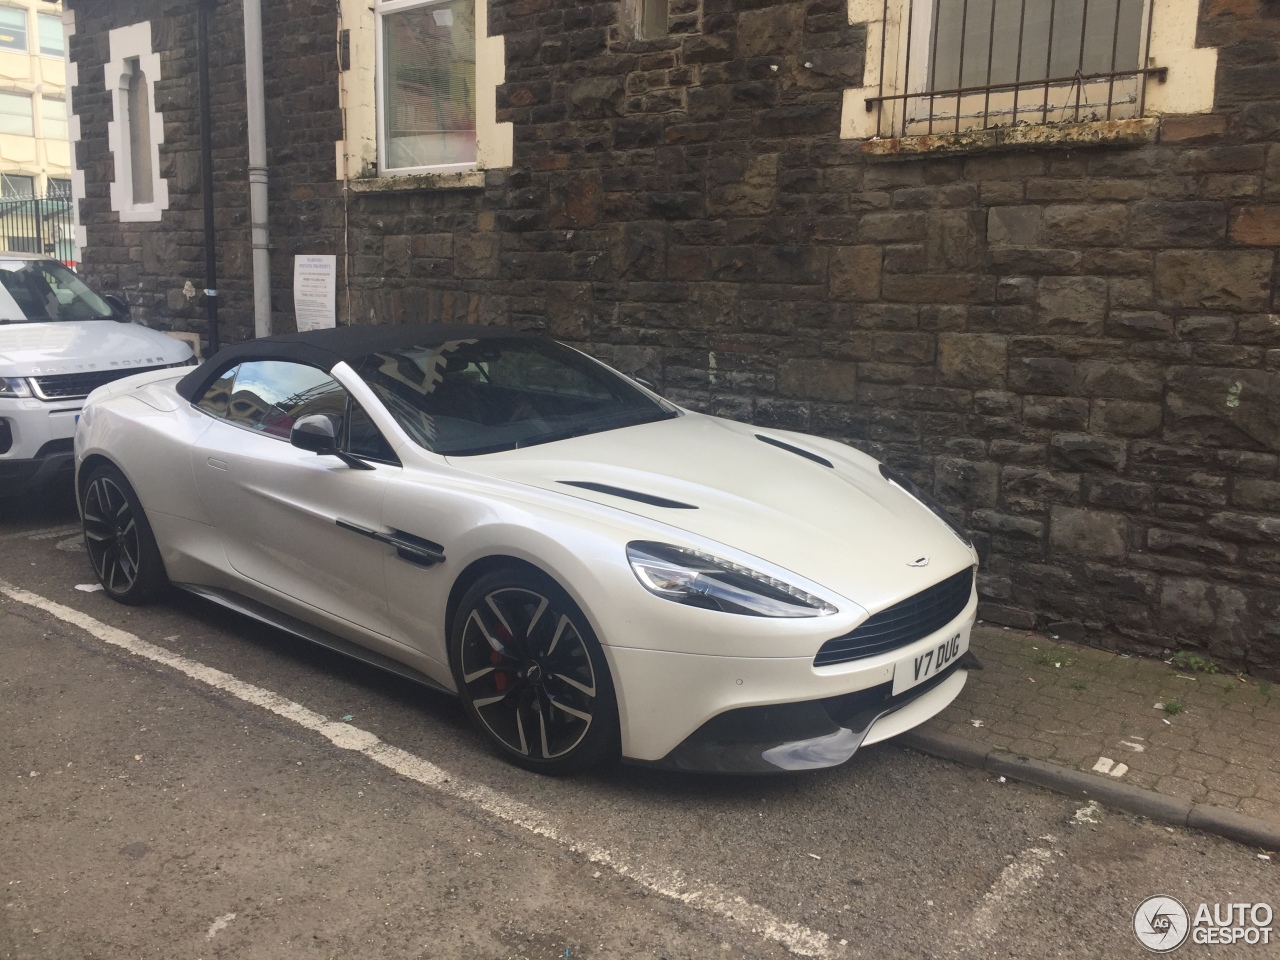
(1095, 133)
(459, 180)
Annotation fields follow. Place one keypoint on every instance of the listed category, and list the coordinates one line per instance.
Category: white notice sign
(315, 287)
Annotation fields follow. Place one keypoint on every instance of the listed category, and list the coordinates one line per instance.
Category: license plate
(919, 667)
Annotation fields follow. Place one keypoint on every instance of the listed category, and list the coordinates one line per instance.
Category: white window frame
(381, 9)
(134, 43)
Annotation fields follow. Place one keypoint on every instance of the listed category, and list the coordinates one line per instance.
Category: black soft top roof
(327, 348)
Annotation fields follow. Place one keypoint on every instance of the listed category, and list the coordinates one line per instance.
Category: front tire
(531, 674)
(119, 540)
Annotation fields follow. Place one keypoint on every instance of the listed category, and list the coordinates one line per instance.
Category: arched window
(136, 130)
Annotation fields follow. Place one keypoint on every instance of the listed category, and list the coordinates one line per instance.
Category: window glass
(429, 81)
(13, 29)
(59, 188)
(53, 118)
(139, 108)
(479, 396)
(40, 291)
(217, 399)
(654, 16)
(364, 439)
(15, 185)
(51, 43)
(15, 113)
(1103, 25)
(270, 395)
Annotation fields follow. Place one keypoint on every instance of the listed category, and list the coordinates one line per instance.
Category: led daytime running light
(690, 576)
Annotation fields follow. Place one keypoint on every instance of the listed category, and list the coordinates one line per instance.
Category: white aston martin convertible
(593, 570)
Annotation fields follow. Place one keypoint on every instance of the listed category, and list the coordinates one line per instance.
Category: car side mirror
(122, 309)
(317, 433)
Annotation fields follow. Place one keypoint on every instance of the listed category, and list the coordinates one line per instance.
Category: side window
(364, 439)
(217, 399)
(270, 395)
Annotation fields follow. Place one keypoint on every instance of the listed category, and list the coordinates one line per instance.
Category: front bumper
(769, 714)
(36, 442)
(56, 458)
(815, 734)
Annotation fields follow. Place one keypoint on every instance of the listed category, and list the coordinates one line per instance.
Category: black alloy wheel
(118, 539)
(531, 674)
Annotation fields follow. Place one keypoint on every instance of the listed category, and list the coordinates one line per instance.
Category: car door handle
(217, 464)
(413, 549)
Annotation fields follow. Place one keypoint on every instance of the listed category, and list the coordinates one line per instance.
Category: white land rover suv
(58, 341)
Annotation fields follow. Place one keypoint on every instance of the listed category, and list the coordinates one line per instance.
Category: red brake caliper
(499, 678)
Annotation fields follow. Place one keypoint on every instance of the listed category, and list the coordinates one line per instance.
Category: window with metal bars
(951, 66)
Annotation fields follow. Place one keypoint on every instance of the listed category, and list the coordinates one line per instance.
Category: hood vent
(782, 444)
(630, 495)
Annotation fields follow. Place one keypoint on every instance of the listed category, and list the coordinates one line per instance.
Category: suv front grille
(904, 623)
(72, 386)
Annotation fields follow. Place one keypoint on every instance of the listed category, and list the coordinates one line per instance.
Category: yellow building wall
(39, 76)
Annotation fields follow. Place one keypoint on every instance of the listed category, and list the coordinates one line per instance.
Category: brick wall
(1077, 349)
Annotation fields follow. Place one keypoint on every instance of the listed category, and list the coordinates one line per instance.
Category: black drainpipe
(206, 169)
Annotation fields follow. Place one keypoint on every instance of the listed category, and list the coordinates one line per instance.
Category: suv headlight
(701, 580)
(898, 480)
(14, 387)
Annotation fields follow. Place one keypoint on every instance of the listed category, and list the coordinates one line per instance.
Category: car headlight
(898, 480)
(14, 387)
(701, 580)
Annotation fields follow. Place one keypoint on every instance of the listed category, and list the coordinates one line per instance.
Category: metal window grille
(949, 66)
(39, 225)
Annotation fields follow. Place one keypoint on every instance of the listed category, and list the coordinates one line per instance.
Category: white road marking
(1119, 770)
(219, 925)
(1025, 871)
(665, 881)
(1135, 747)
(1103, 765)
(46, 533)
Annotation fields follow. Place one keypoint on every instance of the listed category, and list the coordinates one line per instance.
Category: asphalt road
(161, 810)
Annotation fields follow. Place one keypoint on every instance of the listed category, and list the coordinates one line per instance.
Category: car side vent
(630, 494)
(782, 444)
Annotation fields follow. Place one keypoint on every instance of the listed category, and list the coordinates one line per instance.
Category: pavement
(178, 781)
(1182, 741)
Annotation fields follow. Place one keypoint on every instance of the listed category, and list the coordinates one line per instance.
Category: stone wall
(1076, 348)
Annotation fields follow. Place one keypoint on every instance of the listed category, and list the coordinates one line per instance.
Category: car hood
(45, 349)
(843, 526)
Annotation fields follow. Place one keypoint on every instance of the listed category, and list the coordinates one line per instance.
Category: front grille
(906, 622)
(70, 386)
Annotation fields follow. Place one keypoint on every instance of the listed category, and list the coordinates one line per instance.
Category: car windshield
(41, 291)
(469, 397)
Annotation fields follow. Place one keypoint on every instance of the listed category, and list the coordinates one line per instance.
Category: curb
(1208, 818)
